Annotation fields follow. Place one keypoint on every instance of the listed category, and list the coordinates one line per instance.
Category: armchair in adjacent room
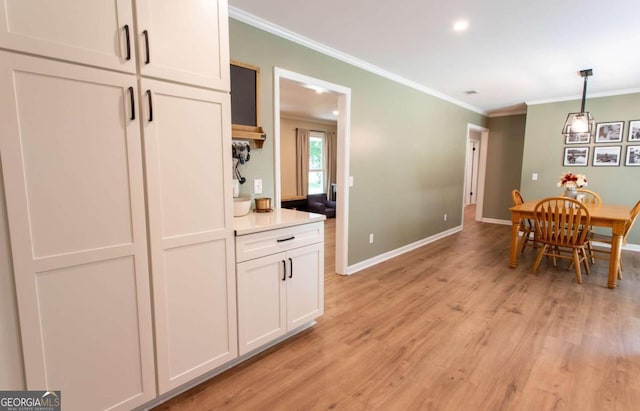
(318, 203)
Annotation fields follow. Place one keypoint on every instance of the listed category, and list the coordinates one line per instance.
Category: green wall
(407, 147)
(504, 164)
(544, 149)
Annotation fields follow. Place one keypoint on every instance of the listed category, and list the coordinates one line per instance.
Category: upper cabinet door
(184, 41)
(97, 33)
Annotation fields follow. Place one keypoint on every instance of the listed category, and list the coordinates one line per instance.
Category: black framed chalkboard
(245, 86)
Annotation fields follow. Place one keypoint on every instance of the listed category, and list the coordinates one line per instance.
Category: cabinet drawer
(257, 245)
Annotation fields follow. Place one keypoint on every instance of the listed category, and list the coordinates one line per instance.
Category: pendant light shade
(578, 124)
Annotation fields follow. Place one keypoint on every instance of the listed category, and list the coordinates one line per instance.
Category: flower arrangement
(572, 181)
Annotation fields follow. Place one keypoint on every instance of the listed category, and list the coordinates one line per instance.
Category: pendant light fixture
(578, 124)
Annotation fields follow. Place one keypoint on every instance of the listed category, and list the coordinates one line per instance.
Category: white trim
(310, 119)
(279, 31)
(343, 128)
(352, 269)
(627, 247)
(632, 247)
(506, 113)
(496, 221)
(591, 95)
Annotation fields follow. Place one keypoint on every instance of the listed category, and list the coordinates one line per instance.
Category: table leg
(614, 262)
(513, 251)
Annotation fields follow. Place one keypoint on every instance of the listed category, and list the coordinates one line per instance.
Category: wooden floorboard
(450, 326)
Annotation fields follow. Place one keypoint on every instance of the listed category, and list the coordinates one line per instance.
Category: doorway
(475, 171)
(343, 119)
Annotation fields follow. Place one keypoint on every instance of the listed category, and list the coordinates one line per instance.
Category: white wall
(288, 150)
(11, 366)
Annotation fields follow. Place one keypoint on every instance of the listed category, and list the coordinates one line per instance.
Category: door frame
(482, 167)
(342, 158)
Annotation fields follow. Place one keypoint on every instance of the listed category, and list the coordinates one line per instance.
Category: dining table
(613, 216)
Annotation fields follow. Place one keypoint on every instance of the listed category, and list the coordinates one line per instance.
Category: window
(316, 162)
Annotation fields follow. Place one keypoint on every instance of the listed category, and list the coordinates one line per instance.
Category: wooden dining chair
(526, 225)
(589, 197)
(604, 253)
(558, 223)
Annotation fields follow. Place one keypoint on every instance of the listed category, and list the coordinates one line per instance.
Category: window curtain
(331, 147)
(302, 162)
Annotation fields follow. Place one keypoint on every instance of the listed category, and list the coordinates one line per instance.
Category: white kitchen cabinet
(97, 33)
(71, 157)
(177, 41)
(280, 276)
(187, 137)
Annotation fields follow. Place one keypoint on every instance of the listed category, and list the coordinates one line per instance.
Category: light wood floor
(450, 327)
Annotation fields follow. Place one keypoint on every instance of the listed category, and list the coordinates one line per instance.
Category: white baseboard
(496, 221)
(352, 269)
(627, 247)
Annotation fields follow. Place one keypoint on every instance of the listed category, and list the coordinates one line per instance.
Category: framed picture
(578, 138)
(633, 156)
(634, 130)
(576, 156)
(609, 132)
(606, 156)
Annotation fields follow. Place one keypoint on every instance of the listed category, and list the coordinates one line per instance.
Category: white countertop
(278, 218)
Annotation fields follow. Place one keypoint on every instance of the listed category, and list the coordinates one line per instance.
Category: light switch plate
(534, 176)
(257, 186)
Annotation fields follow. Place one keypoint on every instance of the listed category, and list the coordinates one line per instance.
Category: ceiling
(298, 101)
(512, 53)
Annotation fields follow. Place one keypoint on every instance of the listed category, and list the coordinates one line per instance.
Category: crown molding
(279, 31)
(578, 97)
(506, 113)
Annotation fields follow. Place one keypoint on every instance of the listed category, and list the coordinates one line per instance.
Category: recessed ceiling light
(461, 25)
(336, 112)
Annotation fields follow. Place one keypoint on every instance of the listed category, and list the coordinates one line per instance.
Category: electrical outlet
(445, 217)
(534, 177)
(257, 186)
(371, 238)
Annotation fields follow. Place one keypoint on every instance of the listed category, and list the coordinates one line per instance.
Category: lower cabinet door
(305, 285)
(261, 301)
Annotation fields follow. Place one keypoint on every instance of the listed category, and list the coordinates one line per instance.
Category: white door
(72, 166)
(305, 285)
(187, 140)
(261, 301)
(89, 32)
(185, 41)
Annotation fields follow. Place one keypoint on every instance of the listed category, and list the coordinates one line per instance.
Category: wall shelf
(254, 134)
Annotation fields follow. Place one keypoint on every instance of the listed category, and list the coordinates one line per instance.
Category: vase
(570, 192)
